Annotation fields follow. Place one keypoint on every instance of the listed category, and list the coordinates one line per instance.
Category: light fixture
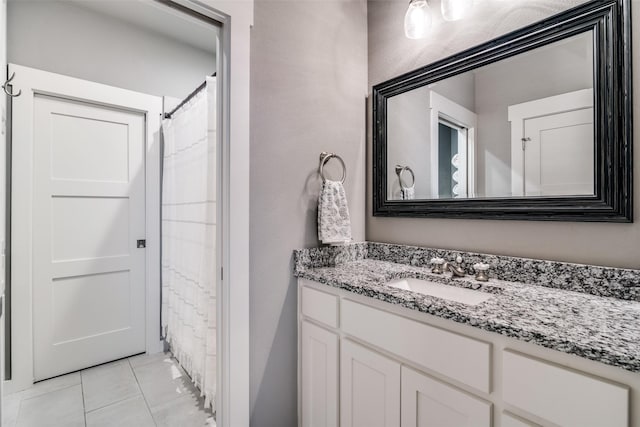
(417, 20)
(453, 10)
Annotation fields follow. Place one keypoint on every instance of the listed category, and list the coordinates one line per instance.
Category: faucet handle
(481, 271)
(437, 265)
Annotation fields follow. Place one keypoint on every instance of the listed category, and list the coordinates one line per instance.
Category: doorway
(151, 168)
(81, 292)
(452, 162)
(453, 131)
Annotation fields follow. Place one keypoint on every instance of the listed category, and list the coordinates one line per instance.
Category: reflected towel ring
(324, 158)
(5, 87)
(400, 170)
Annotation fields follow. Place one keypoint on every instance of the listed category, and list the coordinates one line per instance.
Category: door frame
(233, 401)
(443, 107)
(32, 82)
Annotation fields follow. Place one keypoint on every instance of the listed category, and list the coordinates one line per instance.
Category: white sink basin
(438, 290)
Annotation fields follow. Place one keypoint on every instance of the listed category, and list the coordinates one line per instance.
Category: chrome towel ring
(400, 170)
(324, 158)
(5, 87)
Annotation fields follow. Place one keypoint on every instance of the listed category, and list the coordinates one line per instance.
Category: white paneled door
(552, 145)
(80, 216)
(89, 211)
(559, 154)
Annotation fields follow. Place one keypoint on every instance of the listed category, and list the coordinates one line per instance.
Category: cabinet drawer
(427, 402)
(455, 356)
(320, 306)
(561, 395)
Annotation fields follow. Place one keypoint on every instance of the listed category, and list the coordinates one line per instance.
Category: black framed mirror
(534, 125)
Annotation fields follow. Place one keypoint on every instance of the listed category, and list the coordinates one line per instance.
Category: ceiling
(159, 18)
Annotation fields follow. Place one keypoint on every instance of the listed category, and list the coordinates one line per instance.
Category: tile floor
(139, 391)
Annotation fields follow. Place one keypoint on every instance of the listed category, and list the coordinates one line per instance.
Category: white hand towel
(334, 225)
(408, 193)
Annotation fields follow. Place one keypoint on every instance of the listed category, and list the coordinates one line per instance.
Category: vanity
(533, 126)
(540, 344)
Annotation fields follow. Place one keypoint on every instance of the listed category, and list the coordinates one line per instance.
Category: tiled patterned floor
(139, 391)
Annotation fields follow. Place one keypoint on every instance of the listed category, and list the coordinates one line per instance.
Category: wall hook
(5, 87)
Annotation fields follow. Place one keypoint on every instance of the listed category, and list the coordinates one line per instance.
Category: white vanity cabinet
(366, 363)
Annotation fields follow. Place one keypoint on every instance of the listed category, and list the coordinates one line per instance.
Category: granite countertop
(604, 329)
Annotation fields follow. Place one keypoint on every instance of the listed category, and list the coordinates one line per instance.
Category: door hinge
(524, 143)
(221, 273)
(141, 244)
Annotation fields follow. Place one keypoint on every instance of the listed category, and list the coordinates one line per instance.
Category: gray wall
(460, 89)
(390, 54)
(60, 37)
(308, 94)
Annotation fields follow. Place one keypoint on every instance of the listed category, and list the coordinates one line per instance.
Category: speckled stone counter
(592, 312)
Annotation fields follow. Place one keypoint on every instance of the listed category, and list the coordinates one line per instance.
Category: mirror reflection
(520, 127)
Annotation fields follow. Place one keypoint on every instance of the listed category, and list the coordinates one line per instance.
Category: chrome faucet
(455, 268)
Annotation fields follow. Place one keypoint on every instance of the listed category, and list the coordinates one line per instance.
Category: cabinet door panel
(510, 421)
(430, 403)
(369, 388)
(319, 377)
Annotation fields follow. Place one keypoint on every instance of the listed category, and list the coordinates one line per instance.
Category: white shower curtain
(189, 238)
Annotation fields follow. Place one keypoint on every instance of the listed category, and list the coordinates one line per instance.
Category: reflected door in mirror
(552, 145)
